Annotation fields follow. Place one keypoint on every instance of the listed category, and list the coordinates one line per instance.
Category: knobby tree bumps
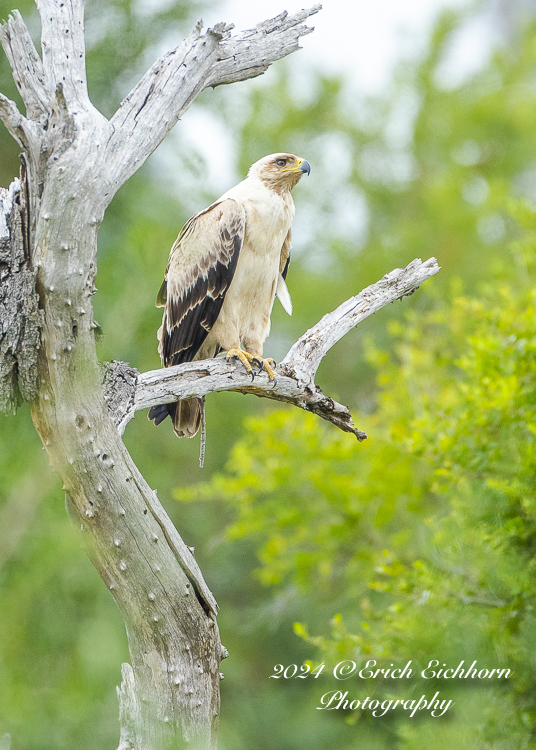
(73, 162)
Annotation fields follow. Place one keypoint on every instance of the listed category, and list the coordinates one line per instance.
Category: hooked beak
(305, 167)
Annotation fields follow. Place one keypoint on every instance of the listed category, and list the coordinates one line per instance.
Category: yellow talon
(248, 359)
(245, 357)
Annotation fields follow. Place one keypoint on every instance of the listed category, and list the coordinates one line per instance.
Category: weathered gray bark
(21, 318)
(74, 162)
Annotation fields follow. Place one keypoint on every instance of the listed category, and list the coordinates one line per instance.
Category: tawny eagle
(224, 270)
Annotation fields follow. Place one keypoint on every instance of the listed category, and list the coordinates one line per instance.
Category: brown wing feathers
(191, 311)
(191, 316)
(201, 267)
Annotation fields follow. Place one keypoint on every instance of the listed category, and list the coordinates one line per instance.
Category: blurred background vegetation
(417, 544)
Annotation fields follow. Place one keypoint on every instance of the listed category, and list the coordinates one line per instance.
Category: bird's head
(280, 171)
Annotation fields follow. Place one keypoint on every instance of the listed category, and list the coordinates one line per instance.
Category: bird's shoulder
(226, 213)
(212, 237)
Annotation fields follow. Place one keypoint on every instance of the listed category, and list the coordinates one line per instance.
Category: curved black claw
(261, 363)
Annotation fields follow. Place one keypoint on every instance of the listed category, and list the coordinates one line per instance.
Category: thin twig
(203, 435)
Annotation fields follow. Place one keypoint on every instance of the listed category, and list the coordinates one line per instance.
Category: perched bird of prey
(224, 270)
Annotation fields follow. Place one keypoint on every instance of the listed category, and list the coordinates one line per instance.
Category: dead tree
(73, 162)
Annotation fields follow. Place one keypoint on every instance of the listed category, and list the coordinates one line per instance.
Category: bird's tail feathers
(158, 413)
(185, 415)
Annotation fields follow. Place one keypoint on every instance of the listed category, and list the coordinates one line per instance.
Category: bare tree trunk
(74, 161)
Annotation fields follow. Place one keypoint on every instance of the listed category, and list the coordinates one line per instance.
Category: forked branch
(129, 391)
(168, 88)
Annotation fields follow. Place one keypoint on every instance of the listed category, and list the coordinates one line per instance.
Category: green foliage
(423, 537)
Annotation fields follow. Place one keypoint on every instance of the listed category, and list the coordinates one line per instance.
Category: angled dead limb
(74, 161)
(129, 391)
(166, 91)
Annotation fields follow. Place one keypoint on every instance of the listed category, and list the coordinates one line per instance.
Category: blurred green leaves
(424, 536)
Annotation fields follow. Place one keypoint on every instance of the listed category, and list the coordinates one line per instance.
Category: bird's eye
(281, 162)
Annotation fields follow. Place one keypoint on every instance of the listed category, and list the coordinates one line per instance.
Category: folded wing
(201, 267)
